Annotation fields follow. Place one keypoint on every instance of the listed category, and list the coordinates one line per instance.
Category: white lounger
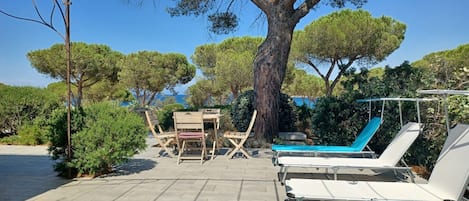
(387, 160)
(447, 182)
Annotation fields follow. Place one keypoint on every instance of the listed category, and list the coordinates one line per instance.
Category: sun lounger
(448, 180)
(357, 146)
(387, 160)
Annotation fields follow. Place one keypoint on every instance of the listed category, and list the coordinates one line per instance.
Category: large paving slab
(26, 173)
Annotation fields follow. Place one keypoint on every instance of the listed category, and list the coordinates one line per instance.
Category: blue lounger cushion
(358, 145)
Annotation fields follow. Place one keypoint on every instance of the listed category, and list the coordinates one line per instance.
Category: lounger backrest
(450, 173)
(367, 133)
(400, 144)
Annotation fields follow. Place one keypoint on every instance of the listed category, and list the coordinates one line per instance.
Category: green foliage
(336, 121)
(21, 105)
(400, 81)
(224, 21)
(111, 135)
(334, 117)
(447, 69)
(304, 122)
(303, 84)
(107, 90)
(227, 67)
(242, 109)
(59, 89)
(91, 63)
(57, 132)
(32, 134)
(165, 115)
(103, 135)
(344, 38)
(206, 93)
(148, 73)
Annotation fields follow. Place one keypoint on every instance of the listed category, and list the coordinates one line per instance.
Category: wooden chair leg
(238, 147)
(204, 151)
(245, 152)
(165, 147)
(213, 150)
(235, 149)
(180, 151)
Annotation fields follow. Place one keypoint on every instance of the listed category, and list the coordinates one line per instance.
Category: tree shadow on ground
(25, 176)
(133, 166)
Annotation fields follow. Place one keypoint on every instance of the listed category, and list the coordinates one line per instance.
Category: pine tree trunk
(269, 70)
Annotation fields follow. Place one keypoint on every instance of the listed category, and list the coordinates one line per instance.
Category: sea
(181, 99)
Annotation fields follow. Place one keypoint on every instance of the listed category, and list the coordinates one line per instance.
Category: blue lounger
(358, 145)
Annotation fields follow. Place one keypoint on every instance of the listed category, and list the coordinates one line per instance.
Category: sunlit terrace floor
(26, 173)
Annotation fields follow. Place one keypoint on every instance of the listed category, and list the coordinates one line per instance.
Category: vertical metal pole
(69, 91)
(400, 113)
(445, 103)
(382, 111)
(418, 112)
(369, 110)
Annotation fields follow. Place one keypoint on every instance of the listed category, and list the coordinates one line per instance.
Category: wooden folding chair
(190, 129)
(164, 139)
(239, 138)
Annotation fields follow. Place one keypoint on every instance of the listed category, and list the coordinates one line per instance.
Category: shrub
(111, 135)
(104, 135)
(31, 134)
(243, 107)
(21, 105)
(335, 121)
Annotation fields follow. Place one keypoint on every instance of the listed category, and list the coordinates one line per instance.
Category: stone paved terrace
(26, 174)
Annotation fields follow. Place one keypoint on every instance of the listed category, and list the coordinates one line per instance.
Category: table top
(210, 116)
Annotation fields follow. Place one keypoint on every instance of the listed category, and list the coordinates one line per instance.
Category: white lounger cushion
(448, 181)
(352, 190)
(390, 157)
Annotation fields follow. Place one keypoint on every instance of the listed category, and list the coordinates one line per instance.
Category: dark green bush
(57, 131)
(243, 107)
(335, 121)
(103, 135)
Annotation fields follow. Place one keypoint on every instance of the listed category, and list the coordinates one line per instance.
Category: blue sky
(431, 26)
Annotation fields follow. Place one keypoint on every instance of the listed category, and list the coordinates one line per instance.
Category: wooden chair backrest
(251, 124)
(188, 121)
(151, 121)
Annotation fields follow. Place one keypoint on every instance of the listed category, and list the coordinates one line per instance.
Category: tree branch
(315, 68)
(304, 8)
(41, 21)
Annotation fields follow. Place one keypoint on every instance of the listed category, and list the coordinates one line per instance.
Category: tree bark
(270, 67)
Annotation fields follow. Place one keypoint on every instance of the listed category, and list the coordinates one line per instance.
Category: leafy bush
(104, 135)
(243, 107)
(335, 121)
(304, 122)
(32, 134)
(21, 105)
(336, 118)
